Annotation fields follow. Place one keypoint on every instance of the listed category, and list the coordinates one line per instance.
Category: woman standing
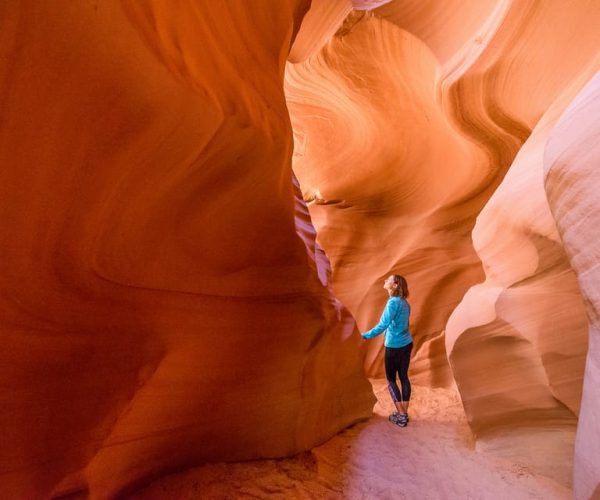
(398, 345)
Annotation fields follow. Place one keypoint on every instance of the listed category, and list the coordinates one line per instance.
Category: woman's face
(389, 284)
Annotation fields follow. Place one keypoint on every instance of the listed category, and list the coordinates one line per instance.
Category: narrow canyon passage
(199, 202)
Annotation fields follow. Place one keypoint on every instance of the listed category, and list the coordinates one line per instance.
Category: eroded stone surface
(158, 307)
(160, 274)
(426, 113)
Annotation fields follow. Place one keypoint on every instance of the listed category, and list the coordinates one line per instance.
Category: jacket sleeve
(386, 318)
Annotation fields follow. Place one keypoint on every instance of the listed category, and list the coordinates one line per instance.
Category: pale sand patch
(433, 458)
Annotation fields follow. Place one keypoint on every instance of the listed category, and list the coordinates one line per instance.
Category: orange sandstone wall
(406, 123)
(160, 303)
(517, 342)
(374, 152)
(527, 321)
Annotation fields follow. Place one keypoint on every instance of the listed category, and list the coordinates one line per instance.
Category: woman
(398, 345)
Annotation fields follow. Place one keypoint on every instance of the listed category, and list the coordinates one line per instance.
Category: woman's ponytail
(401, 286)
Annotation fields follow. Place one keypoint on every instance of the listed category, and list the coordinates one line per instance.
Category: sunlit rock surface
(526, 322)
(363, 120)
(405, 123)
(572, 181)
(425, 112)
(158, 306)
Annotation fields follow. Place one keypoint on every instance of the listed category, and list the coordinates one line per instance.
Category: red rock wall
(158, 307)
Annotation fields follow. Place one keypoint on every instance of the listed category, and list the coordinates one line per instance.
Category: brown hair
(401, 286)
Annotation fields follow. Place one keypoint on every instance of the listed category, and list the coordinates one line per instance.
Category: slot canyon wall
(420, 132)
(163, 302)
(571, 179)
(164, 297)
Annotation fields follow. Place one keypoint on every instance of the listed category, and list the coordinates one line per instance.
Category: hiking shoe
(400, 419)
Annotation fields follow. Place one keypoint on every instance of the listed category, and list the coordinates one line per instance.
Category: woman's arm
(386, 318)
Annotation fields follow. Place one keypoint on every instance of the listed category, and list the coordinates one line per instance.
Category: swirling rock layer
(158, 307)
(163, 298)
(405, 124)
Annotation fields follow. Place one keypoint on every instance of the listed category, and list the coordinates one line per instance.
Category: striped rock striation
(172, 294)
(420, 130)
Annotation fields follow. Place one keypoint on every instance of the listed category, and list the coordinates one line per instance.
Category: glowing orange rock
(158, 306)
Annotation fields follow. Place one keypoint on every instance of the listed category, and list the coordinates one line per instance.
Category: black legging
(397, 360)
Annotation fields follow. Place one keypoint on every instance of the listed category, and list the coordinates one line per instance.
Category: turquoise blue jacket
(394, 321)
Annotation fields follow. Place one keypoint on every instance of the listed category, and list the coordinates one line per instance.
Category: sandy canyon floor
(433, 458)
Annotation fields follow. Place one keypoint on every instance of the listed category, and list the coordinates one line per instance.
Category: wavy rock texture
(571, 180)
(164, 301)
(341, 103)
(450, 136)
(523, 398)
(526, 322)
(426, 112)
(149, 246)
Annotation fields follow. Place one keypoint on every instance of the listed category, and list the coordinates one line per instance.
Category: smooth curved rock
(158, 306)
(165, 299)
(339, 125)
(526, 323)
(382, 109)
(405, 123)
(528, 315)
(319, 24)
(572, 181)
(529, 285)
(456, 31)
